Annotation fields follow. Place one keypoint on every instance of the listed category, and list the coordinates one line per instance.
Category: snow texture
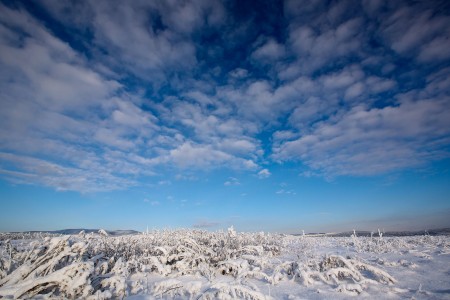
(195, 264)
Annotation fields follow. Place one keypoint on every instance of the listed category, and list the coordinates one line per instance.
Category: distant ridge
(433, 232)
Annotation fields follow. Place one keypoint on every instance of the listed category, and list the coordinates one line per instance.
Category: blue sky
(265, 115)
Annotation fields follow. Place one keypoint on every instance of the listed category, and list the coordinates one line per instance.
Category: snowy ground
(193, 264)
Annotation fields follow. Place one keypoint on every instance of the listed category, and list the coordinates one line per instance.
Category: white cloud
(232, 181)
(283, 135)
(379, 85)
(62, 178)
(220, 137)
(238, 146)
(186, 177)
(194, 155)
(205, 156)
(270, 51)
(56, 76)
(355, 90)
(315, 48)
(159, 32)
(128, 114)
(317, 106)
(80, 116)
(410, 27)
(86, 120)
(110, 137)
(373, 141)
(436, 50)
(152, 203)
(239, 73)
(264, 173)
(285, 192)
(164, 182)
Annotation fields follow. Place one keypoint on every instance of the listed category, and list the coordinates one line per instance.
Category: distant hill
(440, 231)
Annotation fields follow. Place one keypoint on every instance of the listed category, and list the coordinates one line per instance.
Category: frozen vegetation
(194, 264)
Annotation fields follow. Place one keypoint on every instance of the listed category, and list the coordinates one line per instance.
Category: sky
(275, 116)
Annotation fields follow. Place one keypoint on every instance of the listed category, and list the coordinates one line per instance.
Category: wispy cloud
(164, 182)
(264, 173)
(232, 181)
(286, 192)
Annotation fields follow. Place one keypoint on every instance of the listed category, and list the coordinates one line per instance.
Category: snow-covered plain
(194, 264)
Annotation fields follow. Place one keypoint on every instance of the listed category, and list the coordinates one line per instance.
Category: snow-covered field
(194, 264)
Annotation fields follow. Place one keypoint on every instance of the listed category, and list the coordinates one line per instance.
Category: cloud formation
(232, 181)
(264, 173)
(345, 88)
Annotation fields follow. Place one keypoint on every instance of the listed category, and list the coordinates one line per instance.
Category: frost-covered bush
(380, 244)
(190, 264)
(98, 265)
(25, 235)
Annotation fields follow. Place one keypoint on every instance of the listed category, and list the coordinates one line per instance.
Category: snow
(194, 264)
